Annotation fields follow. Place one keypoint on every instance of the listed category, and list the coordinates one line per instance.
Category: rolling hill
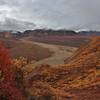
(77, 80)
(32, 52)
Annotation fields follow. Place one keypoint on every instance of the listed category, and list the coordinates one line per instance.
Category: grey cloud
(69, 14)
(13, 24)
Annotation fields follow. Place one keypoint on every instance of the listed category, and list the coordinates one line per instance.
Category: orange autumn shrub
(19, 62)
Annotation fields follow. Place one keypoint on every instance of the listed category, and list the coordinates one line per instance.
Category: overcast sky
(67, 14)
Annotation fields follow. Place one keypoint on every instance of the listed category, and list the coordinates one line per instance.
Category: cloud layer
(30, 14)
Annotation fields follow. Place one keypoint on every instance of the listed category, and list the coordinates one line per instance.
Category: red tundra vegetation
(8, 89)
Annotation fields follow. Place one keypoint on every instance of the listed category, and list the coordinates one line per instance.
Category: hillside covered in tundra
(79, 79)
(49, 50)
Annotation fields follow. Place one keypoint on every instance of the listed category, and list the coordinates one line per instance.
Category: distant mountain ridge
(90, 33)
(48, 32)
(61, 32)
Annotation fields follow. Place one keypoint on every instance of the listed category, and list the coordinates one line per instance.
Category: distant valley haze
(21, 15)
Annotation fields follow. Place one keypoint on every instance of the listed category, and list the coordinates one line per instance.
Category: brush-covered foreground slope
(77, 80)
(30, 51)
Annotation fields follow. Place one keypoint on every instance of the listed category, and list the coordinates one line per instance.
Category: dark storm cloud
(69, 14)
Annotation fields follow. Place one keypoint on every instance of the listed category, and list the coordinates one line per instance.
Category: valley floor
(60, 53)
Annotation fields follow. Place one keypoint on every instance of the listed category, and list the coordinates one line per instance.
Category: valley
(60, 53)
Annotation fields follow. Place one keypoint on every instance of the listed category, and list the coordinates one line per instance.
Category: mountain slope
(77, 80)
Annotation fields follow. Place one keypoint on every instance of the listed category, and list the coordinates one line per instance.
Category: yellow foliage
(19, 62)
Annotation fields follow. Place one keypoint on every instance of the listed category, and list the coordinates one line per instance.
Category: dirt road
(60, 53)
